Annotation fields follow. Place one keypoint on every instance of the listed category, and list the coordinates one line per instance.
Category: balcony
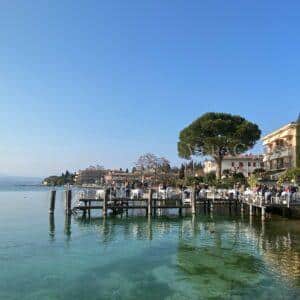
(278, 153)
(280, 166)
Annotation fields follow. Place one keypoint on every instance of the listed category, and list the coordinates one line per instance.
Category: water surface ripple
(211, 256)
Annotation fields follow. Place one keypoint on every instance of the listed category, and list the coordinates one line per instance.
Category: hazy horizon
(104, 82)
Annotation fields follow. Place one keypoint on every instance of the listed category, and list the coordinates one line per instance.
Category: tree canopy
(217, 135)
(65, 178)
(150, 161)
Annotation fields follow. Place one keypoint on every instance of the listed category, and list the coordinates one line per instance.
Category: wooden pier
(151, 205)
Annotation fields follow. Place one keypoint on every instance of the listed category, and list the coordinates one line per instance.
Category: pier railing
(286, 199)
(150, 199)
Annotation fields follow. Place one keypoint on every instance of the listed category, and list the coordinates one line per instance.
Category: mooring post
(52, 201)
(263, 212)
(156, 201)
(205, 202)
(149, 211)
(104, 208)
(193, 224)
(149, 228)
(250, 210)
(230, 202)
(180, 208)
(67, 229)
(51, 226)
(242, 211)
(193, 200)
(180, 204)
(68, 202)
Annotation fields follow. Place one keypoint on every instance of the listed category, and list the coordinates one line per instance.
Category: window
(249, 164)
(254, 164)
(280, 163)
(232, 164)
(241, 164)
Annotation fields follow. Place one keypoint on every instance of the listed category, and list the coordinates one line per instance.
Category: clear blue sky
(100, 82)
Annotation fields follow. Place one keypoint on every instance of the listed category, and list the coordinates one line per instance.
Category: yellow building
(282, 148)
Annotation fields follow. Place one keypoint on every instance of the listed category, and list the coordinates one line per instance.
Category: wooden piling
(205, 205)
(105, 202)
(193, 225)
(250, 210)
(67, 228)
(149, 210)
(180, 208)
(193, 201)
(149, 228)
(263, 212)
(52, 201)
(51, 226)
(68, 202)
(230, 202)
(211, 205)
(211, 202)
(155, 202)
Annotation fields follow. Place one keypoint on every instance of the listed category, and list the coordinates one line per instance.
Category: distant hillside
(19, 180)
(65, 178)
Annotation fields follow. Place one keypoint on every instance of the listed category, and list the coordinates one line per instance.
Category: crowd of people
(274, 191)
(262, 191)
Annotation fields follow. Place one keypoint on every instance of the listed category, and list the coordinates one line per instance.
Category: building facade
(120, 177)
(209, 166)
(91, 175)
(245, 164)
(282, 149)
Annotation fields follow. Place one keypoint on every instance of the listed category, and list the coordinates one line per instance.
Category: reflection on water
(51, 226)
(67, 229)
(214, 255)
(272, 240)
(280, 246)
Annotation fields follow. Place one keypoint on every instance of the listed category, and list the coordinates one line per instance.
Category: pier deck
(252, 205)
(88, 204)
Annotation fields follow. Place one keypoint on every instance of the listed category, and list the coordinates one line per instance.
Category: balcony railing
(280, 166)
(278, 153)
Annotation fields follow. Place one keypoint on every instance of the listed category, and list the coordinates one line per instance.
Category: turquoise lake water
(218, 256)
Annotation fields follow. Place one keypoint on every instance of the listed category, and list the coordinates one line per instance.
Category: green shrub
(290, 176)
(253, 180)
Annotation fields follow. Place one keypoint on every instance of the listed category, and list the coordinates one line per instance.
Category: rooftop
(281, 129)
